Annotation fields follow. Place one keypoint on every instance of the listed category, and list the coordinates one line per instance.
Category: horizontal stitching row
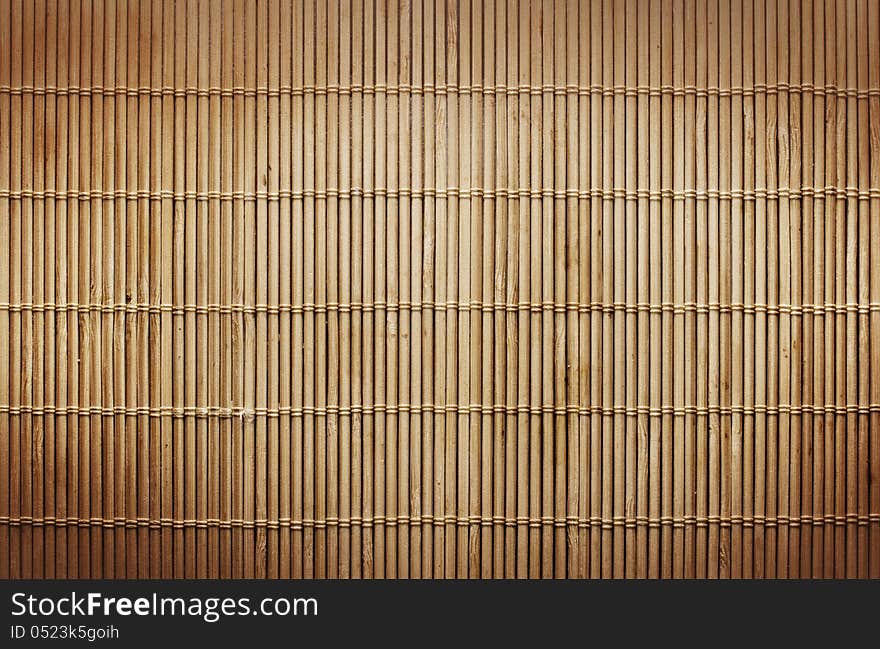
(460, 521)
(428, 88)
(448, 305)
(323, 410)
(475, 193)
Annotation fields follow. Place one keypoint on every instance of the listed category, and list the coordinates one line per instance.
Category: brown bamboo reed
(369, 372)
(494, 223)
(406, 368)
(177, 289)
(749, 266)
(642, 356)
(874, 293)
(654, 496)
(761, 264)
(672, 487)
(607, 477)
(50, 257)
(298, 476)
(736, 297)
(631, 295)
(226, 248)
(724, 290)
(840, 293)
(131, 216)
(817, 151)
(584, 293)
(7, 534)
(420, 443)
(862, 476)
(850, 164)
(38, 293)
(572, 266)
(203, 467)
(713, 295)
(521, 177)
(684, 458)
(297, 289)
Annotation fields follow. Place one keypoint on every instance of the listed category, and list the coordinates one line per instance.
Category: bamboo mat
(438, 289)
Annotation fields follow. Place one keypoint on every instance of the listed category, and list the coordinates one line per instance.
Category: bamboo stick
(618, 295)
(467, 545)
(608, 239)
(159, 565)
(402, 226)
(797, 255)
(52, 361)
(132, 210)
(273, 245)
(840, 325)
(820, 262)
(806, 297)
(166, 289)
(631, 295)
(524, 346)
(88, 545)
(556, 230)
(713, 294)
(737, 295)
(189, 292)
(641, 227)
(7, 533)
(724, 291)
(684, 560)
(472, 255)
(357, 291)
(38, 292)
(775, 338)
(443, 528)
(227, 278)
(345, 281)
(572, 266)
(502, 449)
(657, 50)
(261, 296)
(107, 241)
(874, 294)
(536, 423)
(584, 183)
(203, 456)
(178, 294)
(253, 549)
(370, 321)
(492, 222)
(331, 291)
(214, 230)
(850, 164)
(863, 287)
(283, 14)
(381, 297)
(784, 294)
(761, 263)
(702, 274)
(421, 234)
(750, 256)
(25, 291)
(299, 475)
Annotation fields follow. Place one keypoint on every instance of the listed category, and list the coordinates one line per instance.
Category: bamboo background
(437, 289)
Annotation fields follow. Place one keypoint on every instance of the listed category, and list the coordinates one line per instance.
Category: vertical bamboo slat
(518, 289)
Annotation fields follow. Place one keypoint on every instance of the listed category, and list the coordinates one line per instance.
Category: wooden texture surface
(438, 289)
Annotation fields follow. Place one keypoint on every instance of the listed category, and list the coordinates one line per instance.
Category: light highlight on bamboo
(510, 289)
